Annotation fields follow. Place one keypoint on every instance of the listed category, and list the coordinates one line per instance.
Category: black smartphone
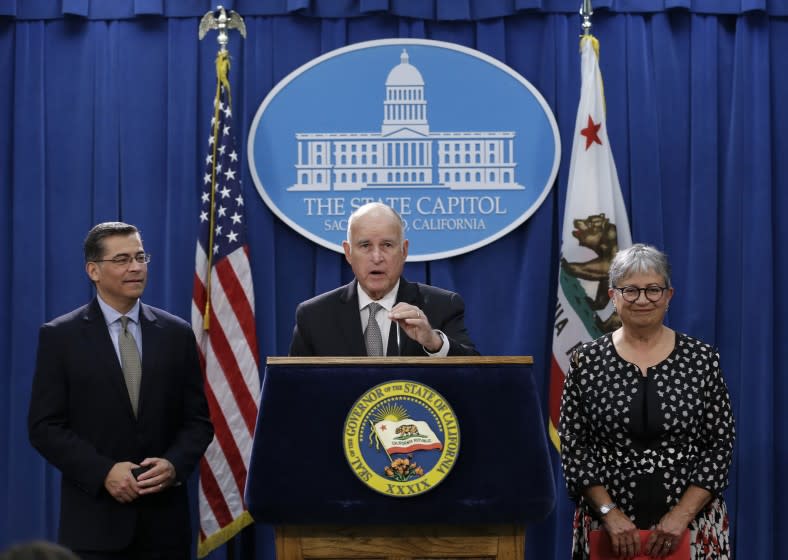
(136, 472)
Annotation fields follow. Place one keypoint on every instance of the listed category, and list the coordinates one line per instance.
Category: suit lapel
(151, 347)
(98, 340)
(349, 319)
(408, 293)
(393, 347)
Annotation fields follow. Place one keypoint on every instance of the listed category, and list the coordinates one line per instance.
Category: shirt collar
(386, 302)
(111, 314)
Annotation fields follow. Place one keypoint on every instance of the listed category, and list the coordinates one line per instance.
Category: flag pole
(223, 22)
(586, 11)
(243, 374)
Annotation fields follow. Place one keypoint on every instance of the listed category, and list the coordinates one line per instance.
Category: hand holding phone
(137, 471)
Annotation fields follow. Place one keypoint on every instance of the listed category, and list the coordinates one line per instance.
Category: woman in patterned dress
(646, 427)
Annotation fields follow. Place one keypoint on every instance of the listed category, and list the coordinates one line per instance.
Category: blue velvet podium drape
(104, 110)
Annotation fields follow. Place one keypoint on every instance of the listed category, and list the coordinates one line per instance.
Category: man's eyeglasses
(631, 293)
(125, 260)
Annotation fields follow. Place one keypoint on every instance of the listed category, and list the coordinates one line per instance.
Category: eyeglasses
(632, 293)
(125, 260)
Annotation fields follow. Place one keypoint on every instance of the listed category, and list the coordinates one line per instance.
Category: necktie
(372, 333)
(130, 362)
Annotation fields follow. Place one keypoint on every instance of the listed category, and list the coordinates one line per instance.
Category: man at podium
(380, 313)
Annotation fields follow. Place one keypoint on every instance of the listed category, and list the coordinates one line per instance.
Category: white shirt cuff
(444, 349)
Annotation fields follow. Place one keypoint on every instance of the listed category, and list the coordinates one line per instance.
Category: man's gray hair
(376, 206)
(639, 258)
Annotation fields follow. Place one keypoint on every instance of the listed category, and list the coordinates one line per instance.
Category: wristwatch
(604, 509)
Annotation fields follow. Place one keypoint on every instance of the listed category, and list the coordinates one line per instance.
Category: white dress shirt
(387, 302)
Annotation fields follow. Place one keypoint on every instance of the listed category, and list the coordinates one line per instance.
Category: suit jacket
(330, 324)
(81, 421)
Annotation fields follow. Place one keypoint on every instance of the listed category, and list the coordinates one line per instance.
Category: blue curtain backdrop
(105, 106)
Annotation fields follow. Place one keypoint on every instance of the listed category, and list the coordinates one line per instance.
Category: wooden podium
(301, 482)
(392, 542)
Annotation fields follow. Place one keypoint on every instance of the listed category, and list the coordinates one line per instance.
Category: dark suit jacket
(81, 421)
(330, 324)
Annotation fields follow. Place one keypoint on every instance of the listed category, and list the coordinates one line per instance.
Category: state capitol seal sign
(401, 438)
(461, 145)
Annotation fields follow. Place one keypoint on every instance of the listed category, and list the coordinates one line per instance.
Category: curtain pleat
(444, 10)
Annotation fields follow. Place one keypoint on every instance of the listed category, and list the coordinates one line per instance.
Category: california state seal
(401, 438)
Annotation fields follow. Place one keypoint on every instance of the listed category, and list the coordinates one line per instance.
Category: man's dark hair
(94, 242)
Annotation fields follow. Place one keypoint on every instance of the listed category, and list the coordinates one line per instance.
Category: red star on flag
(590, 132)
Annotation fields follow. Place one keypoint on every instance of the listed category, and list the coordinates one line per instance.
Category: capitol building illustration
(405, 154)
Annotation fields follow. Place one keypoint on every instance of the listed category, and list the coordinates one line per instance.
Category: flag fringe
(594, 43)
(222, 80)
(223, 535)
(554, 436)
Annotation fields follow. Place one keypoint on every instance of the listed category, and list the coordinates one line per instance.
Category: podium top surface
(398, 360)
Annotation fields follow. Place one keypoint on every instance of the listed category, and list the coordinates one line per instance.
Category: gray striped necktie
(130, 362)
(372, 334)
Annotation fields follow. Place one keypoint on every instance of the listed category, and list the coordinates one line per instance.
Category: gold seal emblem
(401, 438)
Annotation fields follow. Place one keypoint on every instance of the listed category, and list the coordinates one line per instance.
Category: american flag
(223, 322)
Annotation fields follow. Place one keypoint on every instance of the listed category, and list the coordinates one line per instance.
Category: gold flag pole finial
(223, 21)
(586, 11)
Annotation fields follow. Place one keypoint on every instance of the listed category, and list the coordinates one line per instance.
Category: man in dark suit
(125, 448)
(413, 319)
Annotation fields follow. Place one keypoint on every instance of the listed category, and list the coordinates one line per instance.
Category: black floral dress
(647, 438)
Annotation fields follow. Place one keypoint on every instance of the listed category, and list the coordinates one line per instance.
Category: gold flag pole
(223, 21)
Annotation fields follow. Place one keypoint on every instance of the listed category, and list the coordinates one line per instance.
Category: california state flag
(595, 227)
(406, 436)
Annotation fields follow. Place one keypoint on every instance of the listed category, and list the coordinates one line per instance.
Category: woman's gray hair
(638, 259)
